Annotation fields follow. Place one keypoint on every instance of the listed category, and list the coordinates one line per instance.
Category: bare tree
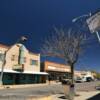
(66, 45)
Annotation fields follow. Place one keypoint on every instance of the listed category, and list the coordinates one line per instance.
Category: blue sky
(36, 18)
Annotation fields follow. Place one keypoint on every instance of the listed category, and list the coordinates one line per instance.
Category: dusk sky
(36, 19)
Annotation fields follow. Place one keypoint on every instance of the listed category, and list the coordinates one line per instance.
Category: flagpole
(98, 36)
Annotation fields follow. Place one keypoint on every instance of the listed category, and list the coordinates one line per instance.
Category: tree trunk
(72, 73)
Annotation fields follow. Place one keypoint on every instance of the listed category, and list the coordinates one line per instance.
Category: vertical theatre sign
(22, 56)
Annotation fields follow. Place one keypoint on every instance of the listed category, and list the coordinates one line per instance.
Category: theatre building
(21, 66)
(56, 71)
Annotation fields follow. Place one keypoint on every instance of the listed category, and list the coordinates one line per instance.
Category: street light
(77, 18)
(22, 39)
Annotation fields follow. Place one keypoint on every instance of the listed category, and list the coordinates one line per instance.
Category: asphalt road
(86, 86)
(44, 90)
(53, 88)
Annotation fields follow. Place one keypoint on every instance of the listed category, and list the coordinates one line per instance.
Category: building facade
(81, 74)
(56, 71)
(21, 67)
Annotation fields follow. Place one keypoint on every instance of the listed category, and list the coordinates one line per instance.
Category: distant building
(81, 74)
(56, 71)
(22, 66)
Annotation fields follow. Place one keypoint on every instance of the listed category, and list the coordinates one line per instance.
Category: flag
(94, 22)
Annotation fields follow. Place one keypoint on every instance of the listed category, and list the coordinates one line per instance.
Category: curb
(21, 86)
(14, 97)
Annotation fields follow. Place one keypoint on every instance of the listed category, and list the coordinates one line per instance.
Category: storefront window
(33, 62)
(22, 77)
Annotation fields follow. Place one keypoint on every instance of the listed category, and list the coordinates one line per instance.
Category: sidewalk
(86, 95)
(81, 96)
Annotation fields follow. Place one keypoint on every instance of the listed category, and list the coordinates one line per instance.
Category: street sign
(94, 22)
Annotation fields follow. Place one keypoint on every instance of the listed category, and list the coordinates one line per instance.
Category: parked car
(79, 80)
(84, 79)
(89, 79)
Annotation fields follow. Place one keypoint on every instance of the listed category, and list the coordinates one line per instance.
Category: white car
(84, 79)
(79, 80)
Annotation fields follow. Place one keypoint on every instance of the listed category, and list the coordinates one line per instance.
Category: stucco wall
(14, 50)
